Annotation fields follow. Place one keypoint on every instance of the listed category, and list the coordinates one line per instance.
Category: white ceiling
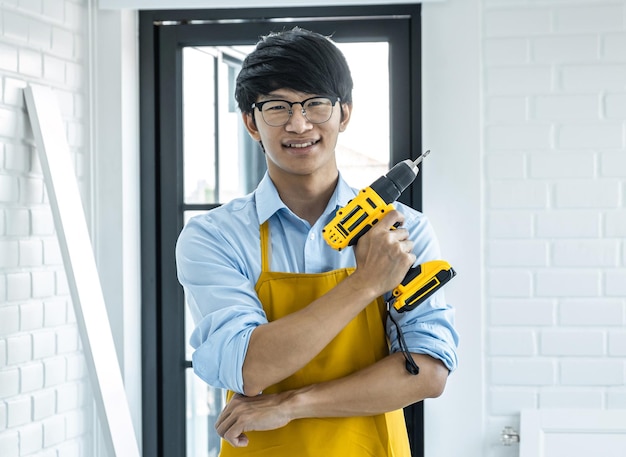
(181, 4)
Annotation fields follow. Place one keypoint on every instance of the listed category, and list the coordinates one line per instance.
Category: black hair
(295, 59)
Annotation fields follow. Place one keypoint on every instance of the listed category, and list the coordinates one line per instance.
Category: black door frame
(162, 34)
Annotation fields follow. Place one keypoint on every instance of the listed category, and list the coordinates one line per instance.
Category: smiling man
(298, 333)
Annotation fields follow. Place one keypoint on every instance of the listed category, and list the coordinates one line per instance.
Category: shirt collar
(268, 201)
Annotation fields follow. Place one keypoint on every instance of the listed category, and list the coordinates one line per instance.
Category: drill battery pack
(420, 283)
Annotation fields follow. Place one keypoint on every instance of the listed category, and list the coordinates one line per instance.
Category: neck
(306, 196)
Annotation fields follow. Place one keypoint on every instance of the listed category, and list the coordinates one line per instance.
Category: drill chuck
(391, 185)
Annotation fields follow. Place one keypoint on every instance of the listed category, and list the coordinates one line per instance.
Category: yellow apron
(361, 343)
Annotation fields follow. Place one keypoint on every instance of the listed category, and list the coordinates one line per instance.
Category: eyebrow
(273, 96)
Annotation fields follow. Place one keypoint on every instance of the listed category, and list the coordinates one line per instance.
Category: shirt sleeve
(429, 328)
(221, 297)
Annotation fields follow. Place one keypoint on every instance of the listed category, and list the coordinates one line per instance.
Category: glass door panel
(222, 162)
(199, 126)
(215, 144)
(363, 149)
(204, 404)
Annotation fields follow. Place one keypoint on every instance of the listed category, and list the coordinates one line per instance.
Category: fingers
(397, 234)
(243, 414)
(389, 232)
(406, 247)
(393, 223)
(393, 219)
(385, 254)
(237, 441)
(226, 426)
(408, 256)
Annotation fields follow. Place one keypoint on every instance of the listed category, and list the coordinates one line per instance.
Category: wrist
(299, 402)
(363, 287)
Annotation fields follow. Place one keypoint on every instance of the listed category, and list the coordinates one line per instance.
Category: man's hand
(383, 249)
(243, 414)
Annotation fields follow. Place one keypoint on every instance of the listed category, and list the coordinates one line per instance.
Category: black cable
(410, 364)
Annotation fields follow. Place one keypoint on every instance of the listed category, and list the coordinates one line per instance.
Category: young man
(296, 331)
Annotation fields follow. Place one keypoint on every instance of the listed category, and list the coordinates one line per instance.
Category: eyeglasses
(316, 110)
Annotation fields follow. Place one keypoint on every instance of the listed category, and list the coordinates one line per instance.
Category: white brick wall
(553, 134)
(45, 401)
(554, 97)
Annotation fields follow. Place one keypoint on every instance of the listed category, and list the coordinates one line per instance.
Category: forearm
(281, 347)
(382, 387)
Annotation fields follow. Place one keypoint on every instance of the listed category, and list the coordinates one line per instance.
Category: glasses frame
(259, 105)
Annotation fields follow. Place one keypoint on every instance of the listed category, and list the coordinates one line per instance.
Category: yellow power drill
(365, 210)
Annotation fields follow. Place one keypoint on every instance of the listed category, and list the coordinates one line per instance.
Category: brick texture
(43, 382)
(554, 132)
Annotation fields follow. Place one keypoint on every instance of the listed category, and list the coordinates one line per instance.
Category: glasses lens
(276, 112)
(318, 110)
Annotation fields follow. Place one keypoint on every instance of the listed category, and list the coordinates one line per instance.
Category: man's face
(299, 147)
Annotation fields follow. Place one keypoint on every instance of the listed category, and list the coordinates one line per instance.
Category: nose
(298, 121)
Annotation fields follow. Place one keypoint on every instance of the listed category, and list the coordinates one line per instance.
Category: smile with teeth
(301, 145)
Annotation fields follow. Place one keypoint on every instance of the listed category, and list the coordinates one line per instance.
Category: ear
(250, 123)
(346, 111)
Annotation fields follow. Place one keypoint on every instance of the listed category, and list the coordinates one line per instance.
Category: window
(196, 155)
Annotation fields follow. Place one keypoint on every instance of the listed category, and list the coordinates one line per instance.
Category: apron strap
(266, 247)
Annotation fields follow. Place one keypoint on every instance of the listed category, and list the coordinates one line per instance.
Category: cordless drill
(365, 210)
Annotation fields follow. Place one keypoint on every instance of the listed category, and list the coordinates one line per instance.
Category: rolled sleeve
(221, 343)
(222, 301)
(429, 328)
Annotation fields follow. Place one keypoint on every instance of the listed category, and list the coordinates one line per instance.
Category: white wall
(451, 114)
(115, 178)
(549, 108)
(554, 158)
(45, 399)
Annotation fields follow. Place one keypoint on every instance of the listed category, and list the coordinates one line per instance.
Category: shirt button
(312, 236)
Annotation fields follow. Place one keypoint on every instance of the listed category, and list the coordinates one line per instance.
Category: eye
(275, 106)
(317, 102)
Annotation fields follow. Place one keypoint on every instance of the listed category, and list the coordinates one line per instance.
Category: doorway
(195, 156)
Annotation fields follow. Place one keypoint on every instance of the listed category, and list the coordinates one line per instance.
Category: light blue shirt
(218, 257)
